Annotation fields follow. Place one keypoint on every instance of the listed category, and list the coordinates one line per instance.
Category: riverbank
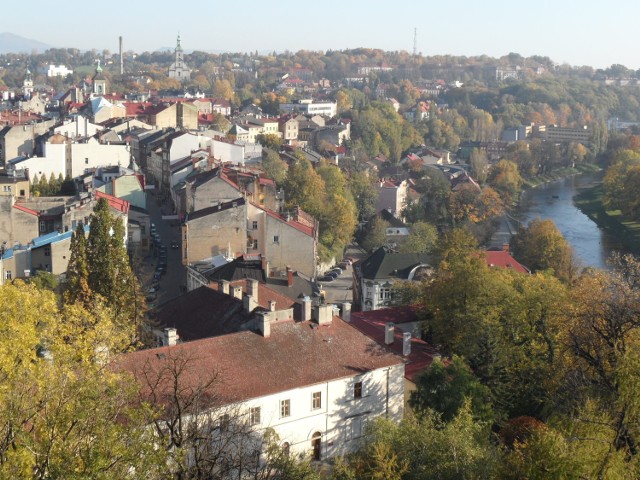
(559, 175)
(627, 233)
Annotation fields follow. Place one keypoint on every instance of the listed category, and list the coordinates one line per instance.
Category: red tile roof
(301, 227)
(504, 259)
(248, 365)
(26, 210)
(265, 295)
(373, 323)
(114, 202)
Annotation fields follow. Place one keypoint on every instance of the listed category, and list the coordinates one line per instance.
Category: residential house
(392, 195)
(374, 276)
(240, 226)
(309, 107)
(20, 139)
(316, 383)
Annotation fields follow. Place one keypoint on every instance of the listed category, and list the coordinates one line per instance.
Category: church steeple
(178, 47)
(178, 68)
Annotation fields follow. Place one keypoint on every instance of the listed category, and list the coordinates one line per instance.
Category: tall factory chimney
(121, 59)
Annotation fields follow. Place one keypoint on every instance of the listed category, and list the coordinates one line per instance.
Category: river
(554, 201)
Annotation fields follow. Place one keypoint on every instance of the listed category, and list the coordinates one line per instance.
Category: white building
(178, 68)
(58, 71)
(315, 383)
(309, 107)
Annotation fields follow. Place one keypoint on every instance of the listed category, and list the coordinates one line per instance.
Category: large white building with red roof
(316, 383)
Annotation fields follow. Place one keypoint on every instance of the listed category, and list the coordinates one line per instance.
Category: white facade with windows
(336, 412)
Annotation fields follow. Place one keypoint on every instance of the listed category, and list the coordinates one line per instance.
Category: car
(331, 274)
(326, 278)
(157, 275)
(344, 265)
(151, 297)
(162, 267)
(162, 256)
(175, 244)
(338, 270)
(153, 289)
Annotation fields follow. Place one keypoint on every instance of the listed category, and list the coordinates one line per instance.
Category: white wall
(183, 145)
(228, 152)
(79, 127)
(43, 165)
(339, 414)
(93, 155)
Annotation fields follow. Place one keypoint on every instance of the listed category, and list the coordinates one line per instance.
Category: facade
(20, 140)
(554, 133)
(178, 68)
(315, 382)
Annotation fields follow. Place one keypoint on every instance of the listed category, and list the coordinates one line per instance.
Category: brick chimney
(252, 288)
(237, 292)
(389, 332)
(223, 286)
(346, 312)
(289, 276)
(170, 337)
(324, 314)
(406, 344)
(505, 247)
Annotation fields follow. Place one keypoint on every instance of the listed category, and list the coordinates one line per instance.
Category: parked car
(157, 275)
(326, 278)
(153, 289)
(331, 274)
(344, 265)
(175, 244)
(151, 297)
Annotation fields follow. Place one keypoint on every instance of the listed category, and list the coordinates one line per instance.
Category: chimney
(324, 314)
(505, 247)
(264, 266)
(305, 309)
(267, 270)
(249, 303)
(389, 332)
(272, 305)
(237, 292)
(346, 312)
(406, 344)
(289, 276)
(264, 324)
(223, 286)
(252, 288)
(170, 337)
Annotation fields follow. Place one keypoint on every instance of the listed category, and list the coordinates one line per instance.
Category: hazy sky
(586, 32)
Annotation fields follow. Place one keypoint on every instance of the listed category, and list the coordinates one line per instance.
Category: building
(239, 226)
(178, 68)
(554, 133)
(99, 81)
(316, 383)
(58, 71)
(309, 107)
(374, 276)
(392, 196)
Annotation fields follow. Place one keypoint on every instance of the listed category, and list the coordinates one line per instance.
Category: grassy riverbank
(589, 201)
(559, 175)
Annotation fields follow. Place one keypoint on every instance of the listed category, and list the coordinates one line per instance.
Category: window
(255, 244)
(7, 188)
(43, 225)
(224, 422)
(355, 427)
(285, 408)
(22, 193)
(276, 239)
(254, 416)
(357, 390)
(255, 224)
(316, 400)
(385, 294)
(86, 161)
(7, 274)
(47, 250)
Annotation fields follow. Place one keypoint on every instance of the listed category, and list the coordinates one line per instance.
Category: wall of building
(208, 194)
(228, 152)
(93, 154)
(215, 234)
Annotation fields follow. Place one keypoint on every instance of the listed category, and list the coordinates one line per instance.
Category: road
(341, 289)
(175, 276)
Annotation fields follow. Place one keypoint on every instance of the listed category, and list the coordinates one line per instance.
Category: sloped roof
(384, 263)
(216, 208)
(503, 259)
(373, 324)
(248, 365)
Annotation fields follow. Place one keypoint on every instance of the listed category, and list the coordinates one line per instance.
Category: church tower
(99, 81)
(27, 85)
(178, 68)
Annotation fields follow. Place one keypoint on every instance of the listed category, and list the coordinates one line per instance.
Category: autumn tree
(374, 235)
(541, 246)
(422, 238)
(77, 281)
(479, 165)
(505, 179)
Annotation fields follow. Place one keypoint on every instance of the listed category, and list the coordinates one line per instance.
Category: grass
(627, 232)
(559, 174)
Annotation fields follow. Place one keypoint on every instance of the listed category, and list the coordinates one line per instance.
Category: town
(309, 265)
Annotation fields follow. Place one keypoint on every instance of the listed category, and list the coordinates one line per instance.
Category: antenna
(415, 42)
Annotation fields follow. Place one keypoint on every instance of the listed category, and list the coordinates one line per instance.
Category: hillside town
(286, 258)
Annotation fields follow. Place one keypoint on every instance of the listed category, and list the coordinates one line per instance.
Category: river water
(555, 201)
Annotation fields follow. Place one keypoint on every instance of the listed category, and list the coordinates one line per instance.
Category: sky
(586, 32)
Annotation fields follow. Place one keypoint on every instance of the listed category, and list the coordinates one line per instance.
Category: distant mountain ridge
(12, 43)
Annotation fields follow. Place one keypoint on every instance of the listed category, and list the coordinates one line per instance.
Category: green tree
(422, 238)
(77, 283)
(444, 388)
(364, 192)
(479, 165)
(274, 167)
(374, 234)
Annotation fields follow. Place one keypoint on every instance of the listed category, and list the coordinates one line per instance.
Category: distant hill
(12, 43)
